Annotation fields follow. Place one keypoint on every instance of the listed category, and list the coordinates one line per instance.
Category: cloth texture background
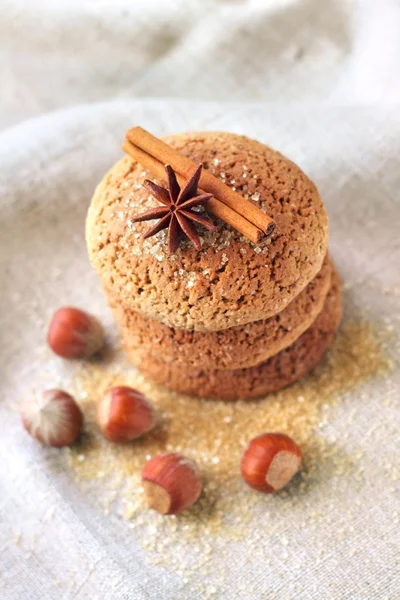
(320, 82)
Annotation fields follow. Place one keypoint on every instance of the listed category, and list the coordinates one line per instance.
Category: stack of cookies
(232, 319)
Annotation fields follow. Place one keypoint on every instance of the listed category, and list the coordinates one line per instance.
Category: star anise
(176, 214)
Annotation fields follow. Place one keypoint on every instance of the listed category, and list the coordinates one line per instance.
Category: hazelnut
(270, 461)
(74, 333)
(53, 418)
(124, 414)
(171, 482)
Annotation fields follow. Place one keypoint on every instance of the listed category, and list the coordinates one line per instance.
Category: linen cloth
(318, 81)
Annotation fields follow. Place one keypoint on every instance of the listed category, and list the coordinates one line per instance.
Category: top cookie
(230, 281)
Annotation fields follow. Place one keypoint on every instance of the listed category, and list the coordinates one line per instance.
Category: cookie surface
(234, 348)
(230, 281)
(279, 371)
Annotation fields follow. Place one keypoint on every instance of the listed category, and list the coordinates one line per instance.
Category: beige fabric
(326, 73)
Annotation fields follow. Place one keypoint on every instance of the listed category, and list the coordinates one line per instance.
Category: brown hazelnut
(53, 418)
(171, 482)
(124, 414)
(74, 333)
(270, 461)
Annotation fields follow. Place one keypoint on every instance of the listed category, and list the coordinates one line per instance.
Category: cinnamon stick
(182, 165)
(216, 207)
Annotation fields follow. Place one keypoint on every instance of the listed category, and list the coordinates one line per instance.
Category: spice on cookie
(177, 214)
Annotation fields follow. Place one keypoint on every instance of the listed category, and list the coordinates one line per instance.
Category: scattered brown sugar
(214, 434)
